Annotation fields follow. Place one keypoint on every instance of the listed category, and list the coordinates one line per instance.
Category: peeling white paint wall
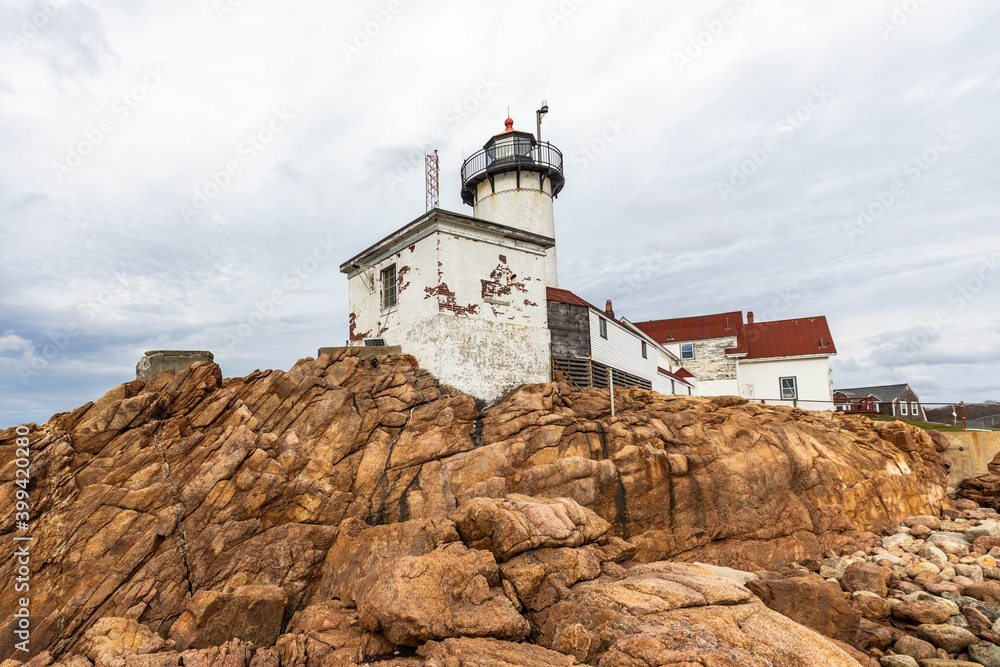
(482, 358)
(471, 308)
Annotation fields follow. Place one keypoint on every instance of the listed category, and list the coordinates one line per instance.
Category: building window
(914, 409)
(789, 389)
(603, 325)
(687, 351)
(644, 350)
(388, 287)
(902, 409)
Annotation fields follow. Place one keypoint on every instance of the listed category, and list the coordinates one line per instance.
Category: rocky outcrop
(916, 594)
(983, 490)
(163, 503)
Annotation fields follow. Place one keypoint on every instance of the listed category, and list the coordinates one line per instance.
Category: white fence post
(611, 388)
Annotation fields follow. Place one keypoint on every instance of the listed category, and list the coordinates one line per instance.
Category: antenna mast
(433, 189)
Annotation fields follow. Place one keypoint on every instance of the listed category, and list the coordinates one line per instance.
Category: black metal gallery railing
(507, 155)
(511, 156)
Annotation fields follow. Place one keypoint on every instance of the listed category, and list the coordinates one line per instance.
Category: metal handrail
(512, 154)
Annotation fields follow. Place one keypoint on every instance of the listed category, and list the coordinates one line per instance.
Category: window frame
(915, 409)
(683, 352)
(602, 327)
(904, 408)
(794, 388)
(390, 298)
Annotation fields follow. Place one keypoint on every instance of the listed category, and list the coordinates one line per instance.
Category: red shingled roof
(684, 373)
(760, 340)
(699, 328)
(565, 296)
(789, 338)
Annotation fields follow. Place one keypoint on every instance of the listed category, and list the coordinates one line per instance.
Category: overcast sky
(171, 169)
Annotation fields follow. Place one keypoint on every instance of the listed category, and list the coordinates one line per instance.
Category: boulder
(112, 640)
(920, 611)
(948, 637)
(361, 553)
(833, 568)
(927, 520)
(469, 652)
(897, 540)
(542, 577)
(984, 529)
(988, 591)
(320, 633)
(253, 614)
(897, 661)
(977, 620)
(874, 635)
(951, 607)
(738, 576)
(453, 591)
(676, 614)
(915, 648)
(516, 523)
(970, 571)
(811, 601)
(870, 605)
(865, 577)
(988, 656)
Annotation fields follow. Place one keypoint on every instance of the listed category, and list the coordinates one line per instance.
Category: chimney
(608, 310)
(750, 317)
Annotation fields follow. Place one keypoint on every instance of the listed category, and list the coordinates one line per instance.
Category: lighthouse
(467, 295)
(513, 181)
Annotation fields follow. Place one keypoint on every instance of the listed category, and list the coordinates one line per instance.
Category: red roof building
(784, 361)
(789, 338)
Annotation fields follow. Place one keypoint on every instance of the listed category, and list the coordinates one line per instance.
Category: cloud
(14, 347)
(641, 220)
(65, 34)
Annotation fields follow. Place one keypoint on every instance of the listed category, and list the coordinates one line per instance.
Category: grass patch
(927, 426)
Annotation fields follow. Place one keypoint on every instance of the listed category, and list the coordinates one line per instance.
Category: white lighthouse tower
(513, 181)
(466, 296)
